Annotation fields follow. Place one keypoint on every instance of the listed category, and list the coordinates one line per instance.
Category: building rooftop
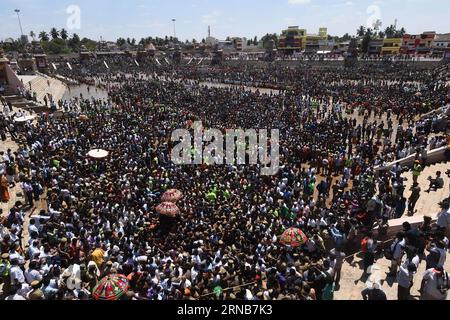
(443, 37)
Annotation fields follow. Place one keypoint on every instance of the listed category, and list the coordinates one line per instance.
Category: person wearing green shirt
(284, 211)
(56, 163)
(416, 171)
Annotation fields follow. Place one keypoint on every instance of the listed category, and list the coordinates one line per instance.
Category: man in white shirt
(397, 249)
(16, 273)
(32, 273)
(337, 257)
(405, 280)
(32, 227)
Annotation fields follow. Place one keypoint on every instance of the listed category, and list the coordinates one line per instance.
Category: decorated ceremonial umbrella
(111, 287)
(293, 237)
(168, 209)
(25, 118)
(98, 154)
(172, 195)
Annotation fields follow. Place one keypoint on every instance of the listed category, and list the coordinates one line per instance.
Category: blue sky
(141, 18)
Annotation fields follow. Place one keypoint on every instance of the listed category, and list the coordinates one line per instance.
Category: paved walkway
(352, 282)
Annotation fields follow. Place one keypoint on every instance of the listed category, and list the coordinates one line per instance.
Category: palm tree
(43, 36)
(381, 34)
(401, 33)
(390, 31)
(33, 35)
(369, 31)
(365, 43)
(121, 42)
(54, 33)
(64, 34)
(361, 31)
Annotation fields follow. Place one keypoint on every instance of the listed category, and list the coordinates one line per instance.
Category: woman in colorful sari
(4, 185)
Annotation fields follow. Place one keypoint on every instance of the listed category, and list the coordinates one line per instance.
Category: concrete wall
(329, 63)
(13, 80)
(434, 156)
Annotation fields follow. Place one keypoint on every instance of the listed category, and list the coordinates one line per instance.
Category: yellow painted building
(296, 39)
(293, 38)
(391, 46)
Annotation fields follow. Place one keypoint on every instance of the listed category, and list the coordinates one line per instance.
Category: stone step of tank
(12, 98)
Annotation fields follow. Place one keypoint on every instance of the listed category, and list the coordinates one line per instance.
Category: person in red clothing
(368, 250)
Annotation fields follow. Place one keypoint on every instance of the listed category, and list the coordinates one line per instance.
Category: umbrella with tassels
(168, 209)
(293, 237)
(172, 195)
(111, 287)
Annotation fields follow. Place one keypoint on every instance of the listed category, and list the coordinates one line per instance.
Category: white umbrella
(98, 154)
(24, 118)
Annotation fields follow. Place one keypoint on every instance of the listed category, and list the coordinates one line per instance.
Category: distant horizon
(153, 18)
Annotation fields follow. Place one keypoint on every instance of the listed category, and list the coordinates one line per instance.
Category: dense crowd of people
(337, 128)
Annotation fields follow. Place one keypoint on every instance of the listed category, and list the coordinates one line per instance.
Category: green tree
(365, 43)
(400, 33)
(361, 31)
(54, 33)
(121, 42)
(74, 42)
(390, 31)
(346, 37)
(56, 46)
(266, 39)
(43, 36)
(64, 34)
(33, 35)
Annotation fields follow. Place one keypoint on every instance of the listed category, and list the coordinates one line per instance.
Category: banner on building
(68, 65)
(106, 65)
(135, 61)
(54, 66)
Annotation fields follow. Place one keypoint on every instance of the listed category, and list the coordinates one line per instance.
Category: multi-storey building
(293, 39)
(418, 44)
(441, 43)
(391, 46)
(375, 46)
